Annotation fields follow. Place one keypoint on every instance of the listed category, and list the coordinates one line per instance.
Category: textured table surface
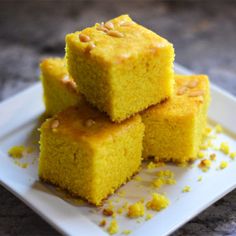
(204, 35)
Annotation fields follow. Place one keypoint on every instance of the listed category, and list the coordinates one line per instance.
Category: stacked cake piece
(118, 103)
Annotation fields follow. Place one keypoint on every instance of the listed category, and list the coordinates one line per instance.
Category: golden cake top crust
(88, 124)
(117, 40)
(56, 68)
(190, 91)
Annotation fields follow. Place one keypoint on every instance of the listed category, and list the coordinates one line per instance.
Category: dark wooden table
(204, 35)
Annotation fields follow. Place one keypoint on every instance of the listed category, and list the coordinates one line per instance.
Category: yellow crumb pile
(224, 147)
(158, 202)
(164, 177)
(136, 210)
(152, 165)
(16, 151)
(113, 227)
(186, 189)
(223, 165)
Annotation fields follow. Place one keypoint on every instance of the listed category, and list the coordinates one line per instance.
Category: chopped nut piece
(213, 156)
(84, 38)
(196, 93)
(55, 124)
(89, 122)
(200, 99)
(193, 84)
(182, 90)
(115, 33)
(205, 164)
(107, 212)
(102, 223)
(90, 47)
(109, 25)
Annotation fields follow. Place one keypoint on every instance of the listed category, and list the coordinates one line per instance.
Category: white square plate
(18, 122)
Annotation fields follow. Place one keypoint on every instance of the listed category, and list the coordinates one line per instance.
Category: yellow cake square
(120, 66)
(174, 129)
(83, 152)
(60, 91)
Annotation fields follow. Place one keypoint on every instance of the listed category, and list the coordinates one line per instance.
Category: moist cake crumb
(158, 202)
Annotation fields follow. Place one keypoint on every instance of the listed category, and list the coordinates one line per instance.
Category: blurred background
(204, 36)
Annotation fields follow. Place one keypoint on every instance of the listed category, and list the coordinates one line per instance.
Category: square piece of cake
(83, 152)
(60, 91)
(120, 66)
(174, 129)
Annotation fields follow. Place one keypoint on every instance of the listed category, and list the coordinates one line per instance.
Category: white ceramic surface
(18, 125)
